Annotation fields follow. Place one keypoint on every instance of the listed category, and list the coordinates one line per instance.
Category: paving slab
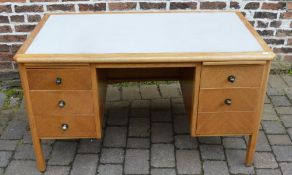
(63, 153)
(215, 168)
(137, 161)
(149, 91)
(188, 162)
(115, 137)
(162, 171)
(287, 120)
(5, 156)
(236, 162)
(268, 172)
(234, 142)
(161, 116)
(265, 160)
(109, 169)
(286, 168)
(212, 152)
(138, 143)
(162, 155)
(185, 142)
(89, 146)
(279, 140)
(283, 153)
(161, 133)
(57, 170)
(112, 155)
(23, 167)
(84, 164)
(139, 127)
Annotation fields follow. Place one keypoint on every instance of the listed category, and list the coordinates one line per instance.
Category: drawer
(220, 123)
(66, 126)
(59, 79)
(241, 99)
(74, 102)
(231, 76)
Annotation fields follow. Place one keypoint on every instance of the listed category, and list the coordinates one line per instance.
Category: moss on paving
(12, 93)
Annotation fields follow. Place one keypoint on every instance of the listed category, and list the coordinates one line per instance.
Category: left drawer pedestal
(61, 103)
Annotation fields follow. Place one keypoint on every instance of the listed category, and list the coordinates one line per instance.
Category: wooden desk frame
(190, 81)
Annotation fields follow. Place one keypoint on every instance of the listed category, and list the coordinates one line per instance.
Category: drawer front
(62, 102)
(240, 99)
(59, 79)
(231, 76)
(67, 126)
(220, 123)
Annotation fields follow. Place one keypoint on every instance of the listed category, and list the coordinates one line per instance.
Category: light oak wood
(190, 83)
(233, 63)
(245, 76)
(254, 136)
(47, 102)
(221, 123)
(143, 57)
(243, 99)
(56, 65)
(144, 65)
(72, 79)
(98, 98)
(31, 118)
(79, 126)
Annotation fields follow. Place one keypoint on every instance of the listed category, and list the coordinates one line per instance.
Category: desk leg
(99, 90)
(35, 139)
(190, 85)
(38, 150)
(254, 136)
(251, 149)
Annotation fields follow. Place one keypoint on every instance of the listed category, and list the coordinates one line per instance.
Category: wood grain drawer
(220, 123)
(242, 99)
(78, 126)
(221, 76)
(67, 79)
(75, 102)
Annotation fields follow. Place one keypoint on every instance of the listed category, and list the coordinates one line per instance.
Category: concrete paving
(146, 132)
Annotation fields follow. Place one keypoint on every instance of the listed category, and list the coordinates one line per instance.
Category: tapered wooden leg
(251, 149)
(38, 150)
(35, 139)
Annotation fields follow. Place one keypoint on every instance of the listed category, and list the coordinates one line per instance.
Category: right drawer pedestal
(229, 97)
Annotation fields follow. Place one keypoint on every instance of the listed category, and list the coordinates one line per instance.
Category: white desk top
(143, 33)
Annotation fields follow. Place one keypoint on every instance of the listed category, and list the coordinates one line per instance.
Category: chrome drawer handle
(58, 80)
(228, 101)
(231, 78)
(64, 127)
(61, 103)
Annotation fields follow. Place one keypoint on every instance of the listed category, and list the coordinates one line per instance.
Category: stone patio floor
(146, 132)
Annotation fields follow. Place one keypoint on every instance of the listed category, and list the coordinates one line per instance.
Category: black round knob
(228, 101)
(61, 103)
(64, 127)
(231, 78)
(58, 80)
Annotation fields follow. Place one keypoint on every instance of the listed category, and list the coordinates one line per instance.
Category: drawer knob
(231, 78)
(228, 101)
(61, 103)
(64, 127)
(58, 80)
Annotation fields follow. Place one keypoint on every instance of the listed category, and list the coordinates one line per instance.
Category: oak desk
(220, 61)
